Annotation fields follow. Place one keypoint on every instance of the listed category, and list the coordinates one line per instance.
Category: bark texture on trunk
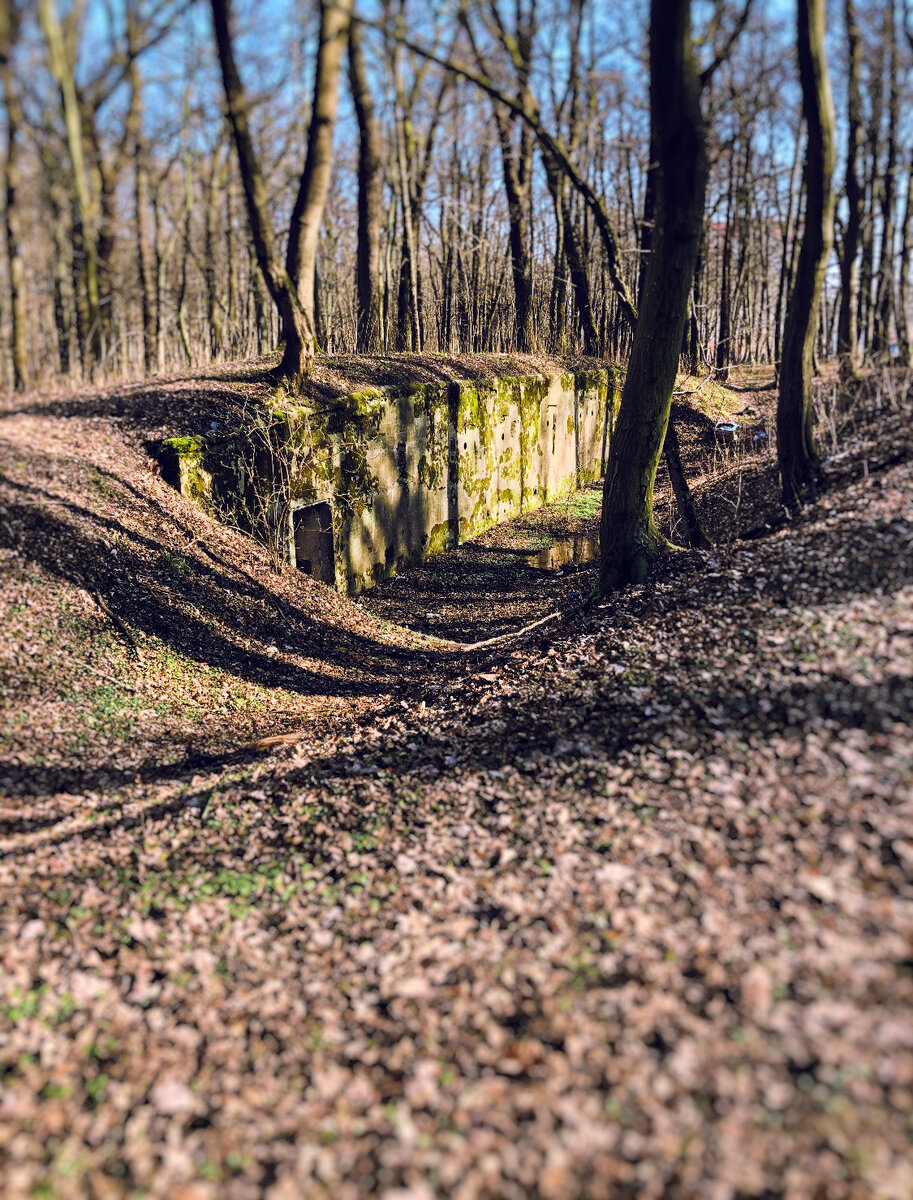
(795, 449)
(85, 235)
(370, 200)
(291, 285)
(628, 534)
(847, 327)
(14, 122)
(307, 214)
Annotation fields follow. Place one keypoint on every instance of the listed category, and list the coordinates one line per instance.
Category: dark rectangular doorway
(312, 527)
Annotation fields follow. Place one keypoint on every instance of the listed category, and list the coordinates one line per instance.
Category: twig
(117, 623)
(699, 388)
(110, 678)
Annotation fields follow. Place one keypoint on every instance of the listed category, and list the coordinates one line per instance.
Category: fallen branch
(463, 648)
(110, 678)
(275, 740)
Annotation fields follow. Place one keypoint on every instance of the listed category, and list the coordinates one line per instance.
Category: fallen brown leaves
(623, 910)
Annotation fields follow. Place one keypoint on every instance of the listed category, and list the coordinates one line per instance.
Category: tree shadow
(860, 556)
(31, 781)
(614, 725)
(184, 601)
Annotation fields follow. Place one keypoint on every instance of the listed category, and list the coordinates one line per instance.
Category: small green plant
(174, 564)
(101, 487)
(97, 1089)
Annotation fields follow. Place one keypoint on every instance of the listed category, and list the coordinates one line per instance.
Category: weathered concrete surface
(405, 473)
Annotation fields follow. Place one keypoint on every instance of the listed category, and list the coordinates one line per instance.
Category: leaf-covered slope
(623, 909)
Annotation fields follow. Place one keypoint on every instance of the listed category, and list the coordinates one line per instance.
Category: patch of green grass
(174, 564)
(24, 1006)
(97, 1089)
(101, 487)
(242, 887)
(585, 504)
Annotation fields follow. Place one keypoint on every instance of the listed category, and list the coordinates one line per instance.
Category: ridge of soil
(622, 909)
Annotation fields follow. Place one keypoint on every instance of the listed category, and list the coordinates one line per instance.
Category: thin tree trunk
(185, 260)
(134, 133)
(847, 327)
(515, 167)
(61, 282)
(211, 271)
(694, 530)
(903, 276)
(307, 213)
(292, 285)
(12, 220)
(84, 233)
(724, 334)
(370, 200)
(793, 204)
(884, 291)
(873, 184)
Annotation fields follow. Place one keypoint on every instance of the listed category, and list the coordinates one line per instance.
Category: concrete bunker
(312, 541)
(361, 484)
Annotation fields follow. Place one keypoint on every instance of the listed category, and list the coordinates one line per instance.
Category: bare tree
(847, 327)
(291, 284)
(795, 449)
(370, 198)
(9, 30)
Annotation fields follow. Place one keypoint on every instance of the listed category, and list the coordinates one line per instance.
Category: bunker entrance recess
(312, 536)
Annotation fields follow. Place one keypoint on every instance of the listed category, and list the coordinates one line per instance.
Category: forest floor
(620, 908)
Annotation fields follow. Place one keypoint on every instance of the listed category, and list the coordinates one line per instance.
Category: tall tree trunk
(230, 284)
(291, 285)
(183, 327)
(569, 255)
(795, 449)
(724, 333)
(12, 215)
(134, 133)
(903, 276)
(580, 280)
(884, 292)
(872, 186)
(628, 533)
(307, 213)
(784, 282)
(370, 200)
(84, 231)
(694, 531)
(847, 327)
(214, 186)
(61, 281)
(516, 165)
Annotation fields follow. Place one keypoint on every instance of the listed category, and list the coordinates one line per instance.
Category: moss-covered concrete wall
(406, 473)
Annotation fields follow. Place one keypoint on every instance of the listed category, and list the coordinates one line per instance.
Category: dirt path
(509, 577)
